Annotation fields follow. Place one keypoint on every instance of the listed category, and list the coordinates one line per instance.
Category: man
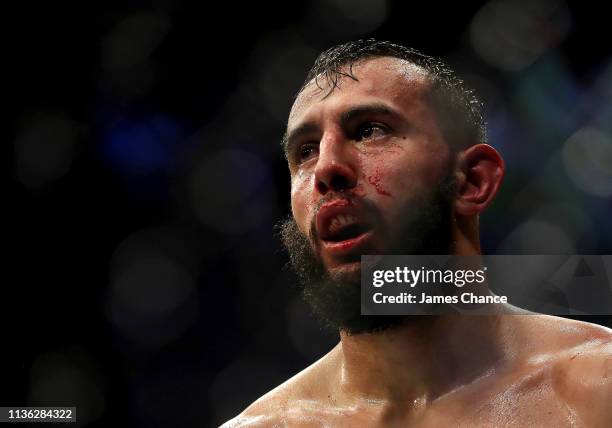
(387, 155)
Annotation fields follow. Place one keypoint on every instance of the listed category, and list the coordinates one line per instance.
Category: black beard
(337, 301)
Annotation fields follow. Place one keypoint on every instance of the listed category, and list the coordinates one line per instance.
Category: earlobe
(480, 173)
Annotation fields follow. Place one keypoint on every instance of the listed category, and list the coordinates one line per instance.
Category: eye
(370, 130)
(306, 151)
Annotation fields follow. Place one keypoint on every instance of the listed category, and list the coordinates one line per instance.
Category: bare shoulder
(272, 409)
(584, 377)
(579, 357)
(579, 353)
(587, 367)
(555, 335)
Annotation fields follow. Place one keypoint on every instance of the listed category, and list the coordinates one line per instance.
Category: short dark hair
(460, 111)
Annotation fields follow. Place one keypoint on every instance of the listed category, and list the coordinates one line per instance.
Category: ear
(480, 170)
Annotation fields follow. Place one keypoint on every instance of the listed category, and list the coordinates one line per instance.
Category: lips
(342, 227)
(342, 224)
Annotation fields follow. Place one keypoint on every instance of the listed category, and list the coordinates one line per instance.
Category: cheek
(376, 180)
(301, 199)
(375, 164)
(398, 175)
(380, 173)
(380, 167)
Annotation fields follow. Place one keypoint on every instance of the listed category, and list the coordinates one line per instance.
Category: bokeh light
(152, 296)
(512, 34)
(127, 49)
(587, 156)
(537, 237)
(232, 191)
(342, 18)
(67, 379)
(142, 146)
(45, 149)
(281, 68)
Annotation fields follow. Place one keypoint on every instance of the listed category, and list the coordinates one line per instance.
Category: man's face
(370, 174)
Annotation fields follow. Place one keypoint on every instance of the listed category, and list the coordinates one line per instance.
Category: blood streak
(374, 180)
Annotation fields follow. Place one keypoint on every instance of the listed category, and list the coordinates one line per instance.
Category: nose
(336, 165)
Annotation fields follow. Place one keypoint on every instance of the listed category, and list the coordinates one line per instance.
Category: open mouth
(344, 227)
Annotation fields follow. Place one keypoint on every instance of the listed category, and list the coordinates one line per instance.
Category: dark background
(142, 280)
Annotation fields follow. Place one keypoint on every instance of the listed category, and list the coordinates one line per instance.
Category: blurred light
(366, 15)
(57, 380)
(573, 219)
(134, 39)
(598, 99)
(232, 191)
(537, 237)
(281, 76)
(151, 287)
(549, 96)
(144, 146)
(127, 49)
(152, 297)
(587, 156)
(512, 34)
(45, 150)
(349, 18)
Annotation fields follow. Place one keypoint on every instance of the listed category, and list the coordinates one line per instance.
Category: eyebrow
(290, 139)
(356, 112)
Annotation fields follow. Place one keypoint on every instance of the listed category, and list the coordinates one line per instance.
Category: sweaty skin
(378, 138)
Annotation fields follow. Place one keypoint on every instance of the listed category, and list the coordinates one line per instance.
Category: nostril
(321, 187)
(339, 183)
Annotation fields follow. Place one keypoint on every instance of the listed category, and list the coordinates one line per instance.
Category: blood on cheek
(374, 157)
(375, 181)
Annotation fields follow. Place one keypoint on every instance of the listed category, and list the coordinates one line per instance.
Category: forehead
(398, 82)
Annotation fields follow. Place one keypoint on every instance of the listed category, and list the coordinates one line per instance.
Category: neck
(422, 359)
(426, 356)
